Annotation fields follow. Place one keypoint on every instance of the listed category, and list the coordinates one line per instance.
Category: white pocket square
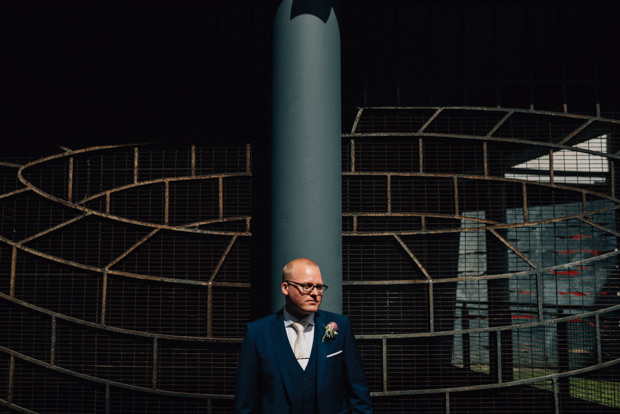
(334, 354)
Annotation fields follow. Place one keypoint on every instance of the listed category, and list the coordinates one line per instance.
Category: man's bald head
(302, 286)
(301, 264)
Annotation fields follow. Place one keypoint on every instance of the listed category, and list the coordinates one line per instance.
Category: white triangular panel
(566, 160)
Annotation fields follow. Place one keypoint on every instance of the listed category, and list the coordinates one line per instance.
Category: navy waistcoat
(303, 383)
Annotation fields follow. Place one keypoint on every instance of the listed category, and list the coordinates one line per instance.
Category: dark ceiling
(91, 76)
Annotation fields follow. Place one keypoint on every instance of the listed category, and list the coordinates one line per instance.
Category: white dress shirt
(292, 334)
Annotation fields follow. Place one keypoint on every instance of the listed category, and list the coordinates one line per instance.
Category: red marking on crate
(594, 252)
(579, 320)
(523, 316)
(581, 236)
(565, 272)
(575, 293)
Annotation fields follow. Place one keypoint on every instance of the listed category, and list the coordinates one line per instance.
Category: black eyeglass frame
(301, 287)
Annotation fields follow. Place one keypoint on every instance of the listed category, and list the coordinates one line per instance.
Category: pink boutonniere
(331, 330)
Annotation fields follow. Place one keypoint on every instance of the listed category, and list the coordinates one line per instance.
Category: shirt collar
(289, 319)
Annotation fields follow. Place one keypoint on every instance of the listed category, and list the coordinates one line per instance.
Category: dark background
(80, 77)
(89, 76)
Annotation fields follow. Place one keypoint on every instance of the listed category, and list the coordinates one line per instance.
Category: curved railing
(126, 269)
(420, 145)
(59, 187)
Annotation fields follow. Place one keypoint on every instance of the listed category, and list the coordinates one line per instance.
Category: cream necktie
(300, 347)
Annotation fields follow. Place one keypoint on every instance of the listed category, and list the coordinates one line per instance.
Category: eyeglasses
(308, 288)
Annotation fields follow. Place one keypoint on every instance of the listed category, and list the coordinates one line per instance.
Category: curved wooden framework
(97, 207)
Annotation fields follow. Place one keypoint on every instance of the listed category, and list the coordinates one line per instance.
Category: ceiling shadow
(318, 8)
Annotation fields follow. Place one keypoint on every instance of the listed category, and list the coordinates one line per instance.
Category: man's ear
(284, 287)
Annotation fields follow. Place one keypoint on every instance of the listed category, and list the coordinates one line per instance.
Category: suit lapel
(319, 331)
(280, 340)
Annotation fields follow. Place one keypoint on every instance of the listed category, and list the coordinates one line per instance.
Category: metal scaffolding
(479, 267)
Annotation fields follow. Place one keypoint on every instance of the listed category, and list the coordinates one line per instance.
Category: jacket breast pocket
(337, 354)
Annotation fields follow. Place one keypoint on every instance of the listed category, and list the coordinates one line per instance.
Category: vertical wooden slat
(167, 201)
(556, 395)
(421, 155)
(9, 397)
(540, 294)
(70, 181)
(612, 170)
(389, 193)
(13, 271)
(384, 364)
(498, 339)
(455, 184)
(155, 362)
(135, 165)
(53, 342)
(466, 339)
(107, 398)
(485, 158)
(431, 307)
(220, 196)
(525, 212)
(193, 160)
(551, 168)
(599, 348)
(584, 202)
(104, 297)
(210, 310)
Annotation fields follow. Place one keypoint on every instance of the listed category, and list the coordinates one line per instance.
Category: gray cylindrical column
(306, 176)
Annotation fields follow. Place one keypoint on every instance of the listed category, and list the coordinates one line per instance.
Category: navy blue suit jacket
(263, 379)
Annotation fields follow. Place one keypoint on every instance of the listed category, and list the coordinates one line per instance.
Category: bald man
(301, 360)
